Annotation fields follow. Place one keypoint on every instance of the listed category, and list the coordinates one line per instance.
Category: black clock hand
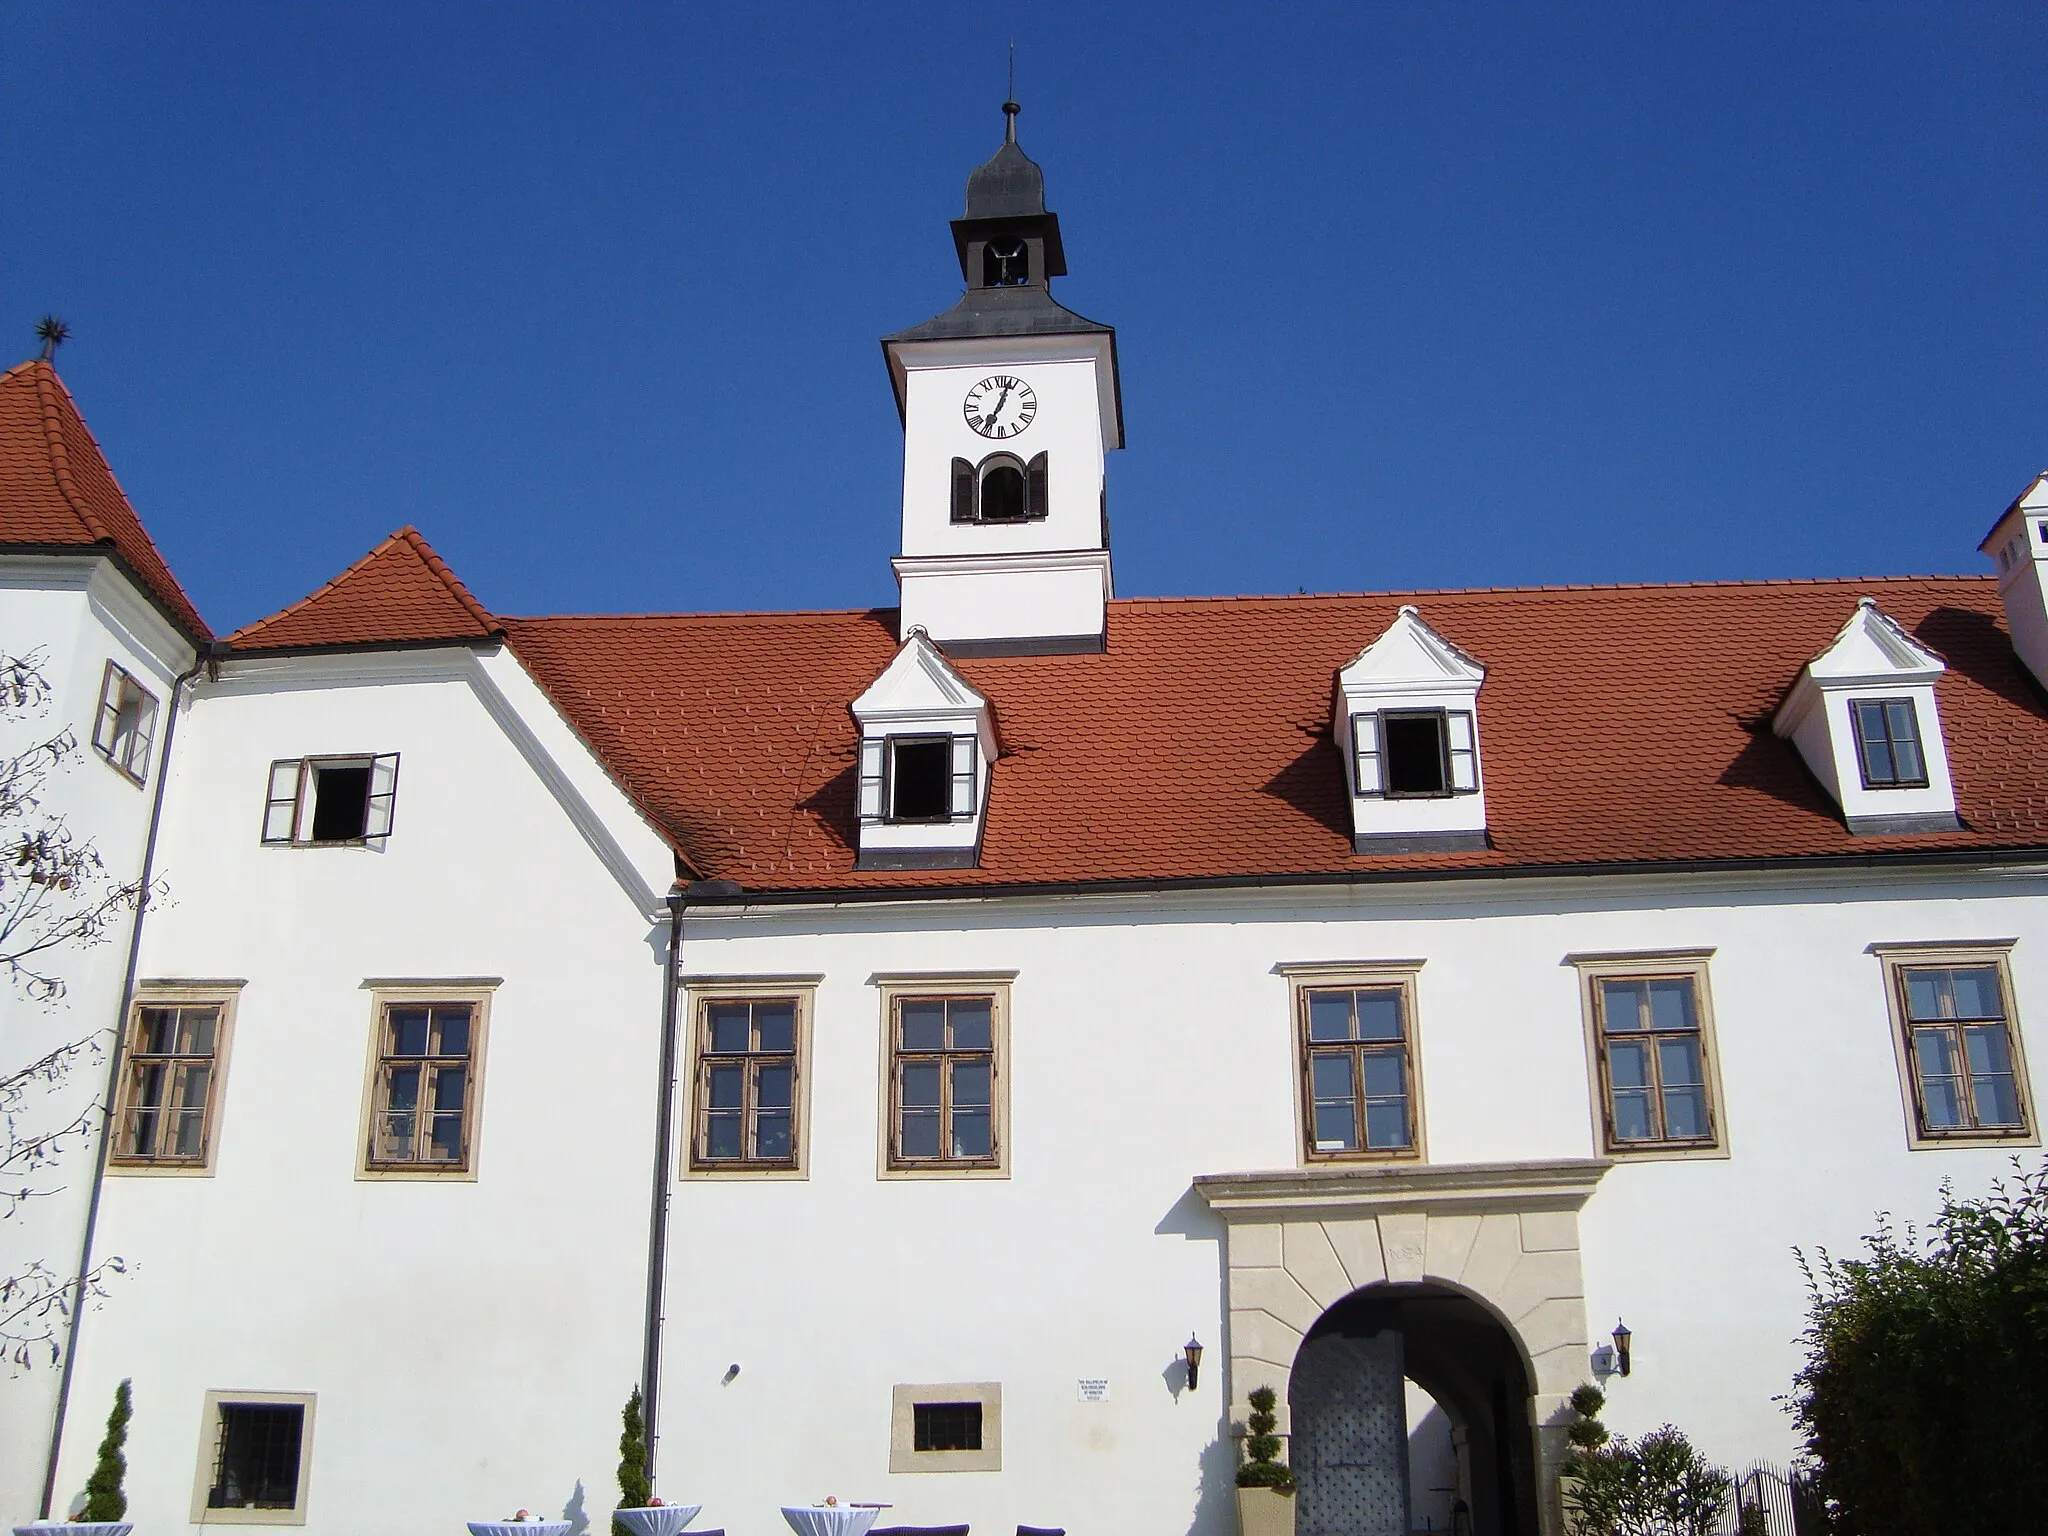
(992, 415)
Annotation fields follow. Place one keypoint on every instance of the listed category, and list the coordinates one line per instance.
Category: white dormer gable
(1863, 715)
(927, 745)
(1407, 722)
(2018, 541)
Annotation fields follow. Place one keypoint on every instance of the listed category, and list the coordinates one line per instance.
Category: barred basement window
(254, 1457)
(331, 801)
(1888, 744)
(126, 723)
(946, 1427)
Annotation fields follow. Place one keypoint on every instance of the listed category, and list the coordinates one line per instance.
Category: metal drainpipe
(657, 1238)
(657, 1241)
(99, 1173)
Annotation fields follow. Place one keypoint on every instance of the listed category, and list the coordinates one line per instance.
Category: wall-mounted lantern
(1621, 1341)
(1192, 1353)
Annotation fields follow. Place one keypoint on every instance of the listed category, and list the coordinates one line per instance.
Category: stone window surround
(209, 1451)
(1507, 1234)
(1895, 959)
(177, 993)
(1593, 968)
(903, 1401)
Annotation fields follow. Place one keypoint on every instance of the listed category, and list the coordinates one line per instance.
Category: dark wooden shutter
(1035, 504)
(963, 491)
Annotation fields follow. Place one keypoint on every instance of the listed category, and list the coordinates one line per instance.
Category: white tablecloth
(519, 1528)
(657, 1519)
(823, 1520)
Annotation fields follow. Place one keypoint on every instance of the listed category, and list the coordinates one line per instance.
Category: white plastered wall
(470, 1342)
(1151, 1044)
(78, 612)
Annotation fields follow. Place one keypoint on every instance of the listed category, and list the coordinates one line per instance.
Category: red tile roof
(56, 490)
(1618, 725)
(399, 592)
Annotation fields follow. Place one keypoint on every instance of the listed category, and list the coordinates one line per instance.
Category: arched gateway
(1346, 1282)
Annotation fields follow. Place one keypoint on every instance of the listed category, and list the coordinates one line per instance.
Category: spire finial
(52, 333)
(1010, 107)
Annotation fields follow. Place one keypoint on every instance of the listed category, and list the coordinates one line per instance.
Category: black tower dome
(1009, 249)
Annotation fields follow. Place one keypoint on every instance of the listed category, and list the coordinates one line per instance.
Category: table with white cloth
(519, 1528)
(829, 1520)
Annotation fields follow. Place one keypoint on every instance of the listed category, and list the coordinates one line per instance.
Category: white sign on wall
(1092, 1391)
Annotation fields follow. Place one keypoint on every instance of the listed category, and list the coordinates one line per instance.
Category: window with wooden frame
(1888, 751)
(255, 1459)
(1356, 1042)
(173, 1059)
(1414, 754)
(426, 1081)
(946, 1087)
(749, 1098)
(126, 723)
(331, 802)
(1957, 1038)
(913, 779)
(1650, 1044)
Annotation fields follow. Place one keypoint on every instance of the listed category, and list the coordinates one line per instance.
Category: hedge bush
(1924, 1396)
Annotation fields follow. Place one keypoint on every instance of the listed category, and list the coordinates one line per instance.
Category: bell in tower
(1009, 403)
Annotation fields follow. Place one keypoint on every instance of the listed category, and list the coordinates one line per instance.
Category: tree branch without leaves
(56, 897)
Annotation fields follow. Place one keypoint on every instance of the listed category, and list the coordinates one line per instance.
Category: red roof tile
(399, 592)
(56, 490)
(1618, 725)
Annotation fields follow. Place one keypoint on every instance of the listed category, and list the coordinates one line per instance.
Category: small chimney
(2018, 541)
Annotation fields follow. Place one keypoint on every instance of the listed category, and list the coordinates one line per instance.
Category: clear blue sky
(1407, 295)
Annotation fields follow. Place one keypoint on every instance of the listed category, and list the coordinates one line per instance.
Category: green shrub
(1656, 1486)
(104, 1499)
(1924, 1395)
(1262, 1446)
(635, 1487)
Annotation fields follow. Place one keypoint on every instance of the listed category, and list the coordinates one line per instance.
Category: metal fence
(1786, 1503)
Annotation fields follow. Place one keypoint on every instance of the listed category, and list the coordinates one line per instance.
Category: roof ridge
(449, 579)
(320, 591)
(45, 375)
(1567, 586)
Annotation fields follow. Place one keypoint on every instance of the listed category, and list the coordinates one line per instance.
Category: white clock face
(1000, 406)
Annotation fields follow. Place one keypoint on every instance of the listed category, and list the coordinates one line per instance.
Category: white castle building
(887, 1036)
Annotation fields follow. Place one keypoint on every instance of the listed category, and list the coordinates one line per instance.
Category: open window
(924, 778)
(126, 723)
(1415, 753)
(1406, 711)
(1001, 488)
(331, 801)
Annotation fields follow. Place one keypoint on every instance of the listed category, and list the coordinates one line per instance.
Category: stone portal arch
(1504, 1235)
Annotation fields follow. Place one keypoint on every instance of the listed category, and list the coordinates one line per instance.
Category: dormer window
(1407, 722)
(925, 778)
(1865, 717)
(927, 738)
(1415, 753)
(1888, 744)
(1002, 488)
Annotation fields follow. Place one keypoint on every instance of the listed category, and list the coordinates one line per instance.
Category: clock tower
(1009, 404)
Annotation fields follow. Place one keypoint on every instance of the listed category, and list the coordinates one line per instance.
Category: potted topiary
(1265, 1488)
(105, 1500)
(639, 1512)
